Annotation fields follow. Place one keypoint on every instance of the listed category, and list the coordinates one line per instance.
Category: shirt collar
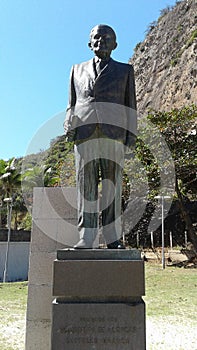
(97, 59)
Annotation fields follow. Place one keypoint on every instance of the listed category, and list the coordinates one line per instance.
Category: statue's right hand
(69, 131)
(66, 127)
(70, 136)
(70, 126)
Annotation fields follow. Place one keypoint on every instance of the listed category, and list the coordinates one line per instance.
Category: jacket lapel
(90, 70)
(108, 69)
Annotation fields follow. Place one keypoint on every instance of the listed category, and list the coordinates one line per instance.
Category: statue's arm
(130, 94)
(71, 92)
(130, 101)
(68, 127)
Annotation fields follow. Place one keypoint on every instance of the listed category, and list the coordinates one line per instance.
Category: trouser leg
(108, 155)
(111, 172)
(87, 172)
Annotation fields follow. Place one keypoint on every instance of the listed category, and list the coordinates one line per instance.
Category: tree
(60, 159)
(179, 128)
(3, 165)
(10, 177)
(39, 176)
(10, 180)
(19, 209)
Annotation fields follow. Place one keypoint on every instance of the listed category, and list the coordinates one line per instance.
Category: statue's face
(102, 41)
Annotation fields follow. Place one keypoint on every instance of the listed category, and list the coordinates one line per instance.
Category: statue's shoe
(115, 245)
(82, 244)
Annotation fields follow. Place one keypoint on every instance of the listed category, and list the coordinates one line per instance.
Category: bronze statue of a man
(100, 122)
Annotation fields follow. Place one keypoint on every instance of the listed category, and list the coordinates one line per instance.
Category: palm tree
(3, 165)
(10, 179)
(39, 176)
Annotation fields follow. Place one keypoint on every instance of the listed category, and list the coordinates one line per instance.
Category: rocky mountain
(165, 62)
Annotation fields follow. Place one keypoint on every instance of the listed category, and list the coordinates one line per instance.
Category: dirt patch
(180, 258)
(13, 335)
(172, 333)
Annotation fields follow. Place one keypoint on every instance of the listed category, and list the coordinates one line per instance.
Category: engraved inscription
(98, 330)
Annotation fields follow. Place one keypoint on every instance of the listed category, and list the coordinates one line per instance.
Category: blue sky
(39, 42)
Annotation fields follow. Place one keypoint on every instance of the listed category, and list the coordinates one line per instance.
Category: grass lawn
(170, 308)
(171, 292)
(13, 301)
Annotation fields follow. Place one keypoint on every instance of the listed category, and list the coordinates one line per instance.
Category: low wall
(15, 235)
(18, 261)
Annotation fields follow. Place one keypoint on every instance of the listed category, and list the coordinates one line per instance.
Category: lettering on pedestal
(98, 330)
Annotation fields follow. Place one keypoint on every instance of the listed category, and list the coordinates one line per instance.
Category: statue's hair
(106, 26)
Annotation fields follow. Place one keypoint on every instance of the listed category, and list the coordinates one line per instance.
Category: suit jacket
(107, 99)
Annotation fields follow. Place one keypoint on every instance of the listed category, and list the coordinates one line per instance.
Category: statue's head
(102, 41)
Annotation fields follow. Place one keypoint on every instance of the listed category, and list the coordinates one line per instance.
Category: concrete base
(98, 301)
(85, 326)
(51, 230)
(55, 227)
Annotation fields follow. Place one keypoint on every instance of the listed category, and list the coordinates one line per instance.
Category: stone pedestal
(98, 301)
(54, 227)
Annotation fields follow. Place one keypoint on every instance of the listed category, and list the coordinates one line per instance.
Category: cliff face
(165, 63)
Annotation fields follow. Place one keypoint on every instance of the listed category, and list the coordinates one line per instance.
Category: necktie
(100, 65)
